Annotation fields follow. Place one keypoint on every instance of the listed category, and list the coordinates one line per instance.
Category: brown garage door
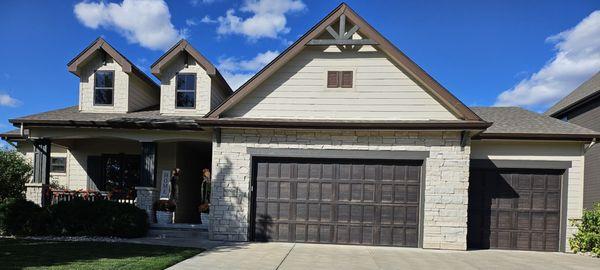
(514, 209)
(366, 202)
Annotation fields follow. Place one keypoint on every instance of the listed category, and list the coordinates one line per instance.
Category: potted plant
(164, 211)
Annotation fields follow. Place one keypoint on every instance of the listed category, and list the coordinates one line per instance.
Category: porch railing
(57, 196)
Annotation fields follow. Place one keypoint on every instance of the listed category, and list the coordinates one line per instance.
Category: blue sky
(533, 51)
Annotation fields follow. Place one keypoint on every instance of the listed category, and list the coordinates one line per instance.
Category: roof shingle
(146, 118)
(517, 121)
(585, 90)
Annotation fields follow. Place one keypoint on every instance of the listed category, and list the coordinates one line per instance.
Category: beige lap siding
(446, 179)
(381, 90)
(543, 151)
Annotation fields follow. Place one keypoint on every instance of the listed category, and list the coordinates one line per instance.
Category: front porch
(127, 166)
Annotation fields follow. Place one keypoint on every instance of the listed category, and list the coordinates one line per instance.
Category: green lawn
(29, 254)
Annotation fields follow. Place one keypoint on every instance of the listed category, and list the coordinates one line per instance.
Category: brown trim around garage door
(537, 164)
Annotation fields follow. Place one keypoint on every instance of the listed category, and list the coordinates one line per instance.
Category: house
(340, 139)
(582, 107)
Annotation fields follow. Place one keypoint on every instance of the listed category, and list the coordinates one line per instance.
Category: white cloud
(267, 18)
(8, 101)
(577, 58)
(208, 19)
(196, 3)
(147, 22)
(237, 72)
(191, 22)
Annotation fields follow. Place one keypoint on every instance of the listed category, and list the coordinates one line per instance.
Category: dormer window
(104, 81)
(185, 91)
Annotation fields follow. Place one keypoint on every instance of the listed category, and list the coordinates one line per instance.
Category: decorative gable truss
(342, 37)
(348, 31)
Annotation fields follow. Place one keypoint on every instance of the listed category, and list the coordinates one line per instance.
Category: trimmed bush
(98, 218)
(21, 217)
(587, 238)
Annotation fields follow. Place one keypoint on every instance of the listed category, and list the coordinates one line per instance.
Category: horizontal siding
(591, 185)
(60, 179)
(381, 91)
(587, 115)
(141, 95)
(217, 95)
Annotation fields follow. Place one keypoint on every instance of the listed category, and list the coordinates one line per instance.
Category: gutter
(343, 124)
(537, 136)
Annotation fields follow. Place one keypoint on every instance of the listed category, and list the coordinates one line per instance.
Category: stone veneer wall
(146, 196)
(35, 192)
(446, 179)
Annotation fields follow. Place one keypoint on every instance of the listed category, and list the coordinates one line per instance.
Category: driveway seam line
(285, 257)
(372, 253)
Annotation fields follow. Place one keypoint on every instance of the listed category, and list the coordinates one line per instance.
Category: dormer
(190, 85)
(110, 83)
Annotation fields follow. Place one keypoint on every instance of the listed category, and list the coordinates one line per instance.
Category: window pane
(186, 99)
(58, 161)
(186, 82)
(104, 79)
(57, 169)
(58, 165)
(103, 96)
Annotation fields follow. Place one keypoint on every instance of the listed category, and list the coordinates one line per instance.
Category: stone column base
(36, 192)
(146, 196)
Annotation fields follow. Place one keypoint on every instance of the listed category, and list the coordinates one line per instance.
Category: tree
(15, 171)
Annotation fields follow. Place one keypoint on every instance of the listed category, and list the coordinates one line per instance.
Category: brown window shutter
(346, 79)
(333, 79)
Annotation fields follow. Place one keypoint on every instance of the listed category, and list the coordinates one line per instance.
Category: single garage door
(342, 201)
(514, 209)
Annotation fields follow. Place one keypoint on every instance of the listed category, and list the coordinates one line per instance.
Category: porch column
(38, 188)
(147, 193)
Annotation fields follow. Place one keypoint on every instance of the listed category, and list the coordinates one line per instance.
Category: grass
(30, 254)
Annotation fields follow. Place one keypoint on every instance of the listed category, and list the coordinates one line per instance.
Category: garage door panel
(514, 209)
(337, 201)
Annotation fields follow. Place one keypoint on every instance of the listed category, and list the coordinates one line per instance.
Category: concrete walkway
(309, 256)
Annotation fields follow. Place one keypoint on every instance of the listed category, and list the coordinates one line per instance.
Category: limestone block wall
(446, 176)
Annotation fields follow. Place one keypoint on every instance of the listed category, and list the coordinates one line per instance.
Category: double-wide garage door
(343, 201)
(514, 209)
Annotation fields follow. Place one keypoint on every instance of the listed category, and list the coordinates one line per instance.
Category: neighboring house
(582, 107)
(340, 139)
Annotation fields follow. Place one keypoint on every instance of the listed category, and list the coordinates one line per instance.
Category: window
(104, 87)
(185, 91)
(58, 164)
(337, 79)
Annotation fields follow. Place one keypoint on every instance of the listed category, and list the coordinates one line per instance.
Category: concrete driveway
(311, 256)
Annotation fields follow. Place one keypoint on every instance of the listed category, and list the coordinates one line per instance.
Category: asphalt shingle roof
(515, 120)
(506, 121)
(585, 90)
(149, 117)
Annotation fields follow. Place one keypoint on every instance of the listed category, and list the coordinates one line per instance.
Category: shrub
(98, 218)
(21, 217)
(587, 238)
(15, 171)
